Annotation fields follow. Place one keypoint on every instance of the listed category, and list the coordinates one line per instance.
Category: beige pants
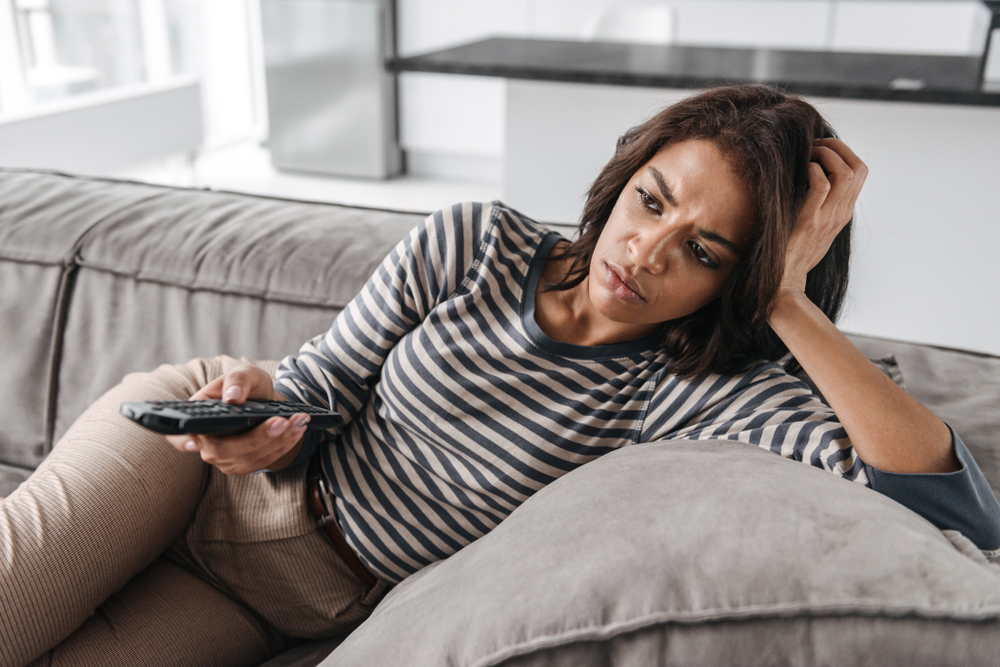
(120, 550)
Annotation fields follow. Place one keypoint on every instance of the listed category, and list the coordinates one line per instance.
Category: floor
(246, 167)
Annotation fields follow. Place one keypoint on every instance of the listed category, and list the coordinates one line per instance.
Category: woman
(484, 359)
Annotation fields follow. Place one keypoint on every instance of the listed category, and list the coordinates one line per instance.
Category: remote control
(218, 417)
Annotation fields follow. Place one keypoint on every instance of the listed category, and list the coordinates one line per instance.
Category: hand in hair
(836, 176)
(888, 428)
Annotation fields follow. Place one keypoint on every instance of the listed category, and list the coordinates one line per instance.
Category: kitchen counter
(860, 76)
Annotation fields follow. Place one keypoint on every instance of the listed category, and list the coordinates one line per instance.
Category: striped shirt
(458, 407)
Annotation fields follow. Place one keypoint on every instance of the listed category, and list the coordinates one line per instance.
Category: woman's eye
(647, 200)
(703, 256)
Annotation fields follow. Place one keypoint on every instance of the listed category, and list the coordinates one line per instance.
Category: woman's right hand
(273, 444)
(836, 175)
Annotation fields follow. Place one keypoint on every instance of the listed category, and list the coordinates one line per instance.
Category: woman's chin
(628, 323)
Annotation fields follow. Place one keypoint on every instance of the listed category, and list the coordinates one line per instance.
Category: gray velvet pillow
(695, 553)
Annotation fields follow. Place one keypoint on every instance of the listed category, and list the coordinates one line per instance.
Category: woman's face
(676, 233)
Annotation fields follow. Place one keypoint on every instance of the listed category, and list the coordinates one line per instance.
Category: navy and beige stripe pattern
(458, 407)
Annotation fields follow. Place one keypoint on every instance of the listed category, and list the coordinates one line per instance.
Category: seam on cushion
(379, 209)
(18, 466)
(272, 297)
(833, 610)
(22, 258)
(64, 295)
(974, 353)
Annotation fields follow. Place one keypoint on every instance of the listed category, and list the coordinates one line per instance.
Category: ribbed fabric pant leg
(252, 537)
(167, 616)
(107, 501)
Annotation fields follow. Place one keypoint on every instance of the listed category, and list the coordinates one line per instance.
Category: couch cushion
(45, 215)
(278, 250)
(29, 298)
(694, 553)
(193, 273)
(960, 387)
(43, 218)
(11, 477)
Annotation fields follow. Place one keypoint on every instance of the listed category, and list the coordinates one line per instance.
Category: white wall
(443, 116)
(923, 266)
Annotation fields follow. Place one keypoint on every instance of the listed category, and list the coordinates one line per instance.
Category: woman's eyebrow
(721, 240)
(662, 185)
(704, 233)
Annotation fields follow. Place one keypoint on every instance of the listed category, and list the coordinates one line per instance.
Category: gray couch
(689, 553)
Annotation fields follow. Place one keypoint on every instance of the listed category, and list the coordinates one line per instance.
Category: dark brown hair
(767, 136)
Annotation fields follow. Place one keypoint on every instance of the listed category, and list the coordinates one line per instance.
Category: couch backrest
(101, 278)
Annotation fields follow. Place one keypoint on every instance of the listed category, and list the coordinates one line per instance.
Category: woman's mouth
(621, 284)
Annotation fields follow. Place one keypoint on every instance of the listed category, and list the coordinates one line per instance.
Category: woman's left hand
(272, 445)
(836, 175)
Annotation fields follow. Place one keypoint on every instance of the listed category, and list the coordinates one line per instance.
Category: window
(54, 49)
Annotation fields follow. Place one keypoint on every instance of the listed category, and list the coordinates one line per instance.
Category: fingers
(845, 172)
(212, 390)
(178, 442)
(844, 152)
(241, 384)
(819, 189)
(255, 449)
(836, 175)
(245, 382)
(843, 168)
(237, 385)
(250, 451)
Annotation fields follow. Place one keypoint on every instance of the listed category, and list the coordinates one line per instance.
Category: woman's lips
(621, 284)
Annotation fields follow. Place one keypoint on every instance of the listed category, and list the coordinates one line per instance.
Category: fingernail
(191, 446)
(232, 394)
(302, 421)
(277, 427)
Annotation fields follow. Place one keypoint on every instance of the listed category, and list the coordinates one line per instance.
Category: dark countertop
(863, 76)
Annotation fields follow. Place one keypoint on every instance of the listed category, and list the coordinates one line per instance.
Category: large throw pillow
(695, 553)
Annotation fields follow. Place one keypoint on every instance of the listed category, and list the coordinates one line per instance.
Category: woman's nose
(650, 249)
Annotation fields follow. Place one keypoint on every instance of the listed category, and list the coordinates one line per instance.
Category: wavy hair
(767, 137)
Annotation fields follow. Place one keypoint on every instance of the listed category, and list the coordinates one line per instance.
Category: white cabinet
(435, 112)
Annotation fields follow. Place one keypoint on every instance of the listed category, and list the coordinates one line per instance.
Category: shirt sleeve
(762, 406)
(961, 500)
(337, 370)
(767, 407)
